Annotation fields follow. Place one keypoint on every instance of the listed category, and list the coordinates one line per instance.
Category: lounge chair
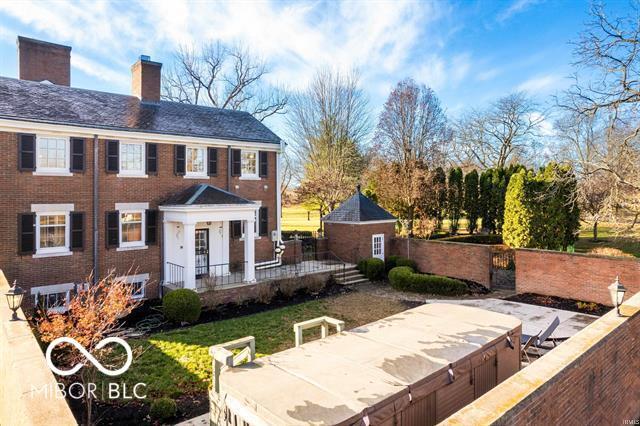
(528, 343)
(543, 336)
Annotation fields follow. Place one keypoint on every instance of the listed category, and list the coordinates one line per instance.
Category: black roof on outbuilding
(54, 104)
(358, 208)
(204, 194)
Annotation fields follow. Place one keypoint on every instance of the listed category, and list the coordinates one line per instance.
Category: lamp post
(617, 290)
(14, 299)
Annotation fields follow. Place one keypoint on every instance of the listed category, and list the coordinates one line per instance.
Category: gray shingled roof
(358, 208)
(203, 193)
(50, 103)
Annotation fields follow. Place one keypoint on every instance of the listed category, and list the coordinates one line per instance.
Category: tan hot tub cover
(416, 367)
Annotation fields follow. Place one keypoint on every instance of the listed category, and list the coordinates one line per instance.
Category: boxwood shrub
(404, 278)
(372, 268)
(182, 305)
(393, 261)
(163, 408)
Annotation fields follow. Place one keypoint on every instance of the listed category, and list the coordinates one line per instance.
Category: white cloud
(98, 70)
(439, 73)
(541, 83)
(516, 7)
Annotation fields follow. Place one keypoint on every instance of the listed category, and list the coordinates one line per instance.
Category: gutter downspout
(95, 208)
(229, 168)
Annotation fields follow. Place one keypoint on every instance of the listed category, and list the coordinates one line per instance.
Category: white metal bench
(322, 322)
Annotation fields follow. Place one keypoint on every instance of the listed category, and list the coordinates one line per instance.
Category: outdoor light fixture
(14, 299)
(617, 291)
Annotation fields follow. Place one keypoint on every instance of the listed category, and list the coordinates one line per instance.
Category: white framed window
(52, 155)
(196, 161)
(138, 283)
(249, 164)
(52, 229)
(132, 225)
(132, 158)
(377, 246)
(53, 298)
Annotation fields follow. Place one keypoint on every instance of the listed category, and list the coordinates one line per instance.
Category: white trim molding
(52, 210)
(68, 130)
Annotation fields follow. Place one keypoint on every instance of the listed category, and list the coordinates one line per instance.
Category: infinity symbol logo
(88, 356)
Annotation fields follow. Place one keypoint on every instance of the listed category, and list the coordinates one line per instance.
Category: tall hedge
(439, 182)
(472, 199)
(540, 209)
(487, 210)
(455, 198)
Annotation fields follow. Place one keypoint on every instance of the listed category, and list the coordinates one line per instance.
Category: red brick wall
(457, 260)
(573, 275)
(145, 80)
(353, 242)
(21, 189)
(591, 379)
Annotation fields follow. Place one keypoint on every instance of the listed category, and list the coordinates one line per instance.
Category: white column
(189, 255)
(249, 251)
(166, 230)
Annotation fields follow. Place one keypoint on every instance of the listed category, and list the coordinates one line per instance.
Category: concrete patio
(534, 318)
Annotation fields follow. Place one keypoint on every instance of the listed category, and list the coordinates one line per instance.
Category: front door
(202, 252)
(377, 246)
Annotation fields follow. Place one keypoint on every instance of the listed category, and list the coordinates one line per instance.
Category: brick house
(154, 190)
(359, 229)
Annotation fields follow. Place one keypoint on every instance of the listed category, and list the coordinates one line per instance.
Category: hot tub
(414, 368)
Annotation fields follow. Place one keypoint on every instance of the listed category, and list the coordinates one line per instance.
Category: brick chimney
(40, 60)
(145, 79)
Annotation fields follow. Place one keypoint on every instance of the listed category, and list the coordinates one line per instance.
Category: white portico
(196, 232)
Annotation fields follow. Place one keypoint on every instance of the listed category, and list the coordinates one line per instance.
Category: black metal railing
(302, 264)
(221, 275)
(504, 260)
(175, 275)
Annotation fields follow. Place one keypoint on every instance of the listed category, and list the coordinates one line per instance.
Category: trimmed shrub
(372, 268)
(163, 408)
(393, 261)
(404, 278)
(182, 305)
(399, 277)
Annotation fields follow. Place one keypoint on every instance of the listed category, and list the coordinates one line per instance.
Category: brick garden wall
(457, 260)
(592, 378)
(572, 275)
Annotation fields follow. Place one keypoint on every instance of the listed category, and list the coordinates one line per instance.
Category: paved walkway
(534, 318)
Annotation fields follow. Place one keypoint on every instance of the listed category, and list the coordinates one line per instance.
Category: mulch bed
(233, 310)
(573, 305)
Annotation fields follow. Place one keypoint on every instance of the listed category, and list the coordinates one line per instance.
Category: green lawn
(297, 218)
(607, 238)
(177, 363)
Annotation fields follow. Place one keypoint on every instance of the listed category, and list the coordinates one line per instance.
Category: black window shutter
(264, 221)
(236, 229)
(264, 163)
(113, 156)
(236, 162)
(26, 152)
(77, 231)
(113, 228)
(152, 158)
(77, 155)
(180, 160)
(27, 233)
(212, 154)
(151, 221)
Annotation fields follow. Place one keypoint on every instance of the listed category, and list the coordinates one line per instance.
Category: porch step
(351, 276)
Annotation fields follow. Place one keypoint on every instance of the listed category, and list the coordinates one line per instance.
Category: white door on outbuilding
(377, 246)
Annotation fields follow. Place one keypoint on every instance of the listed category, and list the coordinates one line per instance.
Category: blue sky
(469, 52)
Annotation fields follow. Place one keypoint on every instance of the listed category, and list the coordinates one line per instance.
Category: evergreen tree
(487, 212)
(455, 198)
(439, 182)
(472, 199)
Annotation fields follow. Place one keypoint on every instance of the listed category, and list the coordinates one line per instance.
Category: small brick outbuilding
(359, 229)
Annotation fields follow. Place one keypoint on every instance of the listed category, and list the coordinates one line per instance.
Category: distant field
(297, 218)
(607, 238)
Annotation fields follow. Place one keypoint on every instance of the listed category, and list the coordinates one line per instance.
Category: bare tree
(328, 123)
(606, 83)
(224, 77)
(410, 140)
(506, 131)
